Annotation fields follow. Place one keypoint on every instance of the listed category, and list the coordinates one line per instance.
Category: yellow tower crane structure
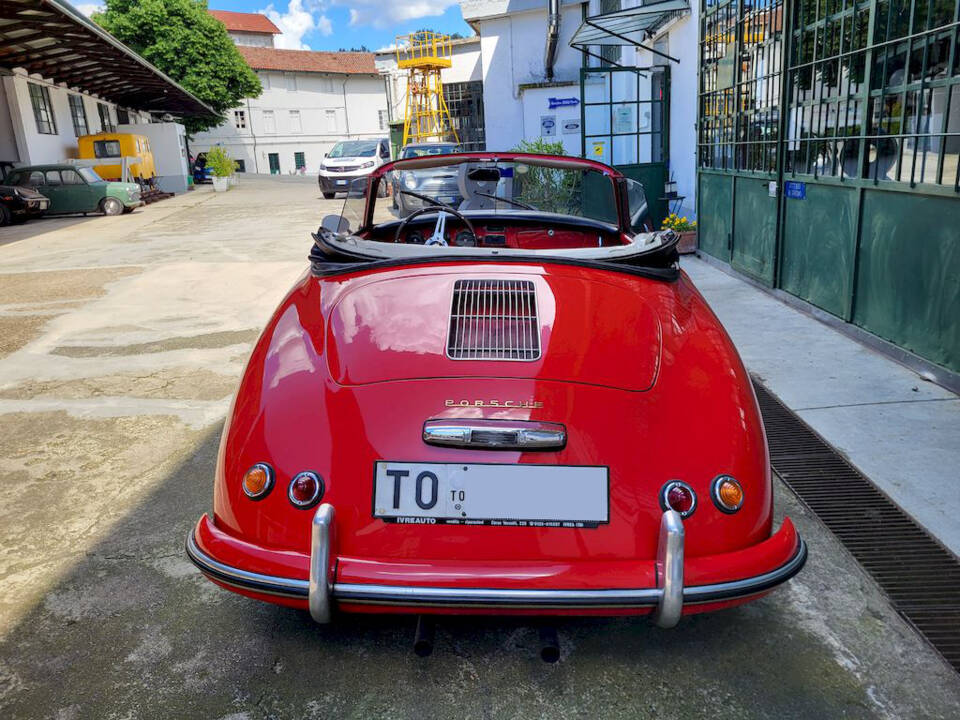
(423, 55)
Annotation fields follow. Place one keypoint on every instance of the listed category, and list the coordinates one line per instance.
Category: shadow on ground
(134, 631)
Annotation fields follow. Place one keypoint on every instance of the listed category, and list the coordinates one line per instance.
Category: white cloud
(88, 9)
(302, 17)
(382, 14)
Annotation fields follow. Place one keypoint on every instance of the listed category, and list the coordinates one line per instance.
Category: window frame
(80, 125)
(43, 115)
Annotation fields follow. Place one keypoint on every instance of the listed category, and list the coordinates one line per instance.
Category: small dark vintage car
(18, 204)
(73, 189)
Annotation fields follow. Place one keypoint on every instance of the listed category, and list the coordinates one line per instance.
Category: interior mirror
(336, 224)
(484, 174)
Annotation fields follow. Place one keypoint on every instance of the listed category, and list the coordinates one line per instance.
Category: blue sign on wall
(563, 102)
(795, 190)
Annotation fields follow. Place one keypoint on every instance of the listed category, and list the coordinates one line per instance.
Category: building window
(264, 80)
(123, 117)
(331, 120)
(78, 113)
(299, 160)
(295, 125)
(105, 122)
(291, 81)
(465, 103)
(240, 165)
(42, 109)
(240, 119)
(269, 122)
(382, 119)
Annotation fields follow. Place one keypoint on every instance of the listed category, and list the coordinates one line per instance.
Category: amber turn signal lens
(727, 494)
(257, 481)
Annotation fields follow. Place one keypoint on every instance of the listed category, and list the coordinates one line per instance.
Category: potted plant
(221, 167)
(686, 229)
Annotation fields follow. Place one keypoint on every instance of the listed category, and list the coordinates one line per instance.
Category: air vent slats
(493, 320)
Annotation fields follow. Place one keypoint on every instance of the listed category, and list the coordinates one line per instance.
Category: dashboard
(500, 233)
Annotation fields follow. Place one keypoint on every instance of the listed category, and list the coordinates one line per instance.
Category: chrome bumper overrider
(667, 599)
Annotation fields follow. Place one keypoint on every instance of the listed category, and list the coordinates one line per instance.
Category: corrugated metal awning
(632, 26)
(51, 38)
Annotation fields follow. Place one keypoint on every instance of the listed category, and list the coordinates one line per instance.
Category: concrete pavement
(128, 338)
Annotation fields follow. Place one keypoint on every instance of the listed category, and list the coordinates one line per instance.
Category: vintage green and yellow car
(74, 189)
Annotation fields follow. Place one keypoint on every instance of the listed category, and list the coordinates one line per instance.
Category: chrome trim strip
(495, 435)
(321, 533)
(493, 597)
(287, 587)
(670, 570)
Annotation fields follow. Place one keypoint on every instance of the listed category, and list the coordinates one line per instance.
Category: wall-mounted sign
(772, 188)
(563, 102)
(599, 148)
(795, 190)
(548, 125)
(623, 119)
(571, 127)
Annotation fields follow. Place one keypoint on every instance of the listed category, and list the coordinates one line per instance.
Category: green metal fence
(829, 139)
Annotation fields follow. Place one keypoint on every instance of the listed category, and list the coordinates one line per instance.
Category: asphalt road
(121, 341)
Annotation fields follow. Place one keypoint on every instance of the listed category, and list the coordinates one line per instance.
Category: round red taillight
(258, 481)
(678, 496)
(306, 489)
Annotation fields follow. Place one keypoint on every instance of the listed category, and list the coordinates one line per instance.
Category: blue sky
(335, 24)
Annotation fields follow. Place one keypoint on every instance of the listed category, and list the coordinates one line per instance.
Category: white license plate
(487, 494)
(341, 182)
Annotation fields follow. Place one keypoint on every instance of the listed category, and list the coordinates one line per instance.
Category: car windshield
(353, 148)
(434, 149)
(89, 174)
(532, 188)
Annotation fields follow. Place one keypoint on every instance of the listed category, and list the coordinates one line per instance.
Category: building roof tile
(343, 63)
(245, 22)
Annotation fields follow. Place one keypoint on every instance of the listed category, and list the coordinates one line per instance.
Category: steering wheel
(433, 209)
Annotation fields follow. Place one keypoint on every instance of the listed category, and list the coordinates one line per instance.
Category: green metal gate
(625, 123)
(860, 138)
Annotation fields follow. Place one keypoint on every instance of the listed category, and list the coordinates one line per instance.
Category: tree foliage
(187, 43)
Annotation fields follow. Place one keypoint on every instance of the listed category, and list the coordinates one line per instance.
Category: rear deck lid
(570, 328)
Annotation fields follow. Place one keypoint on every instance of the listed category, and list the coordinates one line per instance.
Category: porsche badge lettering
(523, 404)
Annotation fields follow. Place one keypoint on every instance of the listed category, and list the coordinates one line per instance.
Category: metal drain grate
(920, 576)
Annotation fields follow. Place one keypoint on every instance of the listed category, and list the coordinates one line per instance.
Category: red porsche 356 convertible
(510, 400)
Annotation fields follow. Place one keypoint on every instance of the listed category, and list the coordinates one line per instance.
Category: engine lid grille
(494, 320)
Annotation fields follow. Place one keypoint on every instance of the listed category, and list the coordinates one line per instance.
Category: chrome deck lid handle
(495, 434)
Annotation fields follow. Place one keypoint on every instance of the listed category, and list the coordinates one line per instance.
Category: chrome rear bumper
(667, 599)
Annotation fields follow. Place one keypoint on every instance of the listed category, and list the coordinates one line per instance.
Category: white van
(349, 160)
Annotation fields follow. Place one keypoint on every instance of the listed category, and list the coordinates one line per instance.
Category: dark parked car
(439, 183)
(18, 204)
(74, 189)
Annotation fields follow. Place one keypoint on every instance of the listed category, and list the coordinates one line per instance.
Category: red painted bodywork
(639, 370)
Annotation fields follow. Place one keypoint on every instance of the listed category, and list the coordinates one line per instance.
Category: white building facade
(529, 105)
(310, 101)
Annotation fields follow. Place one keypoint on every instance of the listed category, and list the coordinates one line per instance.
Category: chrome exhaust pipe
(549, 644)
(423, 638)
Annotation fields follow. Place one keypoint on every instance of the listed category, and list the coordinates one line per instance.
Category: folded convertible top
(651, 255)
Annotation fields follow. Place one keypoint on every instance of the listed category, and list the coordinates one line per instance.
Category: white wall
(355, 101)
(252, 39)
(536, 108)
(8, 142)
(512, 48)
(35, 147)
